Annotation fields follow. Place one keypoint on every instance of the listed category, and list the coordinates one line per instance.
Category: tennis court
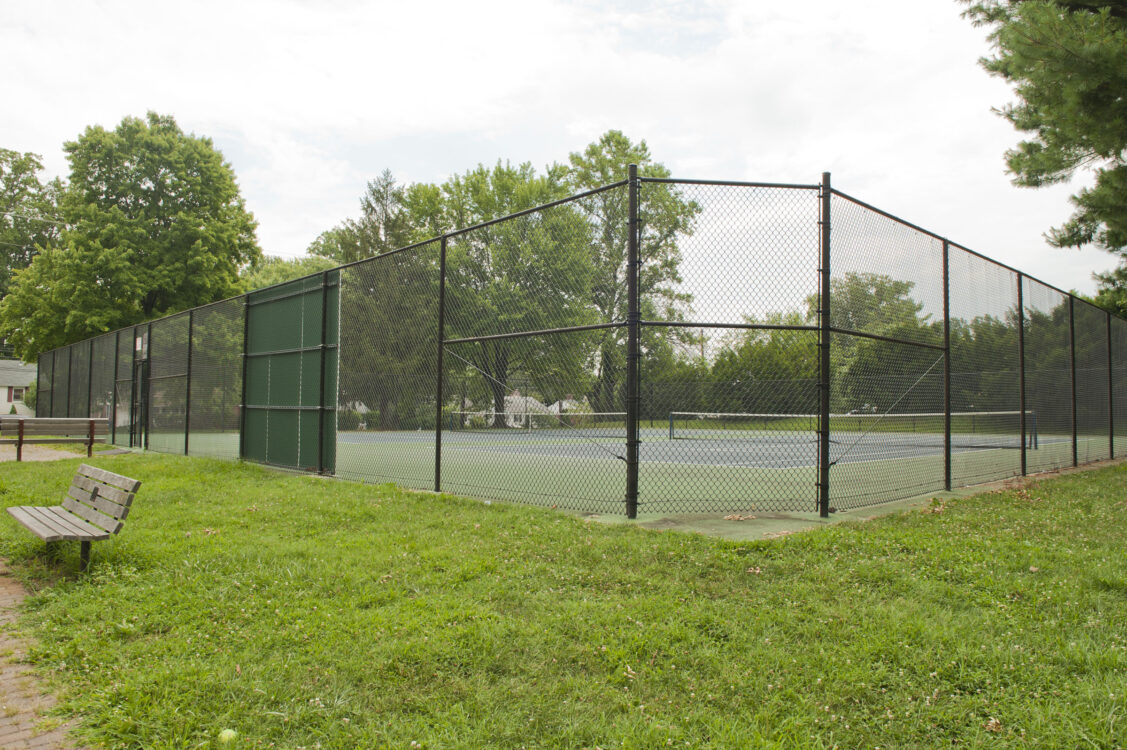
(711, 462)
(652, 344)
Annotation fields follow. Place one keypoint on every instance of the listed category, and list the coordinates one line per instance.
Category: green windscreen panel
(291, 372)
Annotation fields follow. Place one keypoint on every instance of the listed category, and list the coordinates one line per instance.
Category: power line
(32, 218)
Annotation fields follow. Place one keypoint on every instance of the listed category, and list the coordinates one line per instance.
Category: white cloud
(308, 100)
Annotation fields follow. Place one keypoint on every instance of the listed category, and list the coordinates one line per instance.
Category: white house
(569, 404)
(15, 377)
(518, 408)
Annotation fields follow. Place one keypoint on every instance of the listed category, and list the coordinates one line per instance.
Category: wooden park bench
(21, 430)
(95, 507)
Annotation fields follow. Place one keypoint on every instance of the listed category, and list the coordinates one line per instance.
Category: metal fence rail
(650, 346)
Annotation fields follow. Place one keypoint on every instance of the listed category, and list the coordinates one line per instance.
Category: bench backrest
(10, 425)
(101, 497)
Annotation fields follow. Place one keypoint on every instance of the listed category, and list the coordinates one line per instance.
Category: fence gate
(290, 370)
(139, 410)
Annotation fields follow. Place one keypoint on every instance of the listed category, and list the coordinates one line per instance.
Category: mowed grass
(305, 612)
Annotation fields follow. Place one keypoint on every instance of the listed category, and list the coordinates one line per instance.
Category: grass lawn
(304, 612)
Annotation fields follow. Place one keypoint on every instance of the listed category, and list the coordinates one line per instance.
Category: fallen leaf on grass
(777, 534)
(993, 725)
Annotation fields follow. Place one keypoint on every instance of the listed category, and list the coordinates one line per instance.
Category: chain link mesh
(728, 288)
(168, 384)
(44, 376)
(1048, 376)
(985, 360)
(534, 417)
(123, 396)
(78, 400)
(525, 395)
(1092, 405)
(389, 368)
(102, 376)
(1119, 383)
(217, 379)
(60, 401)
(886, 423)
(886, 277)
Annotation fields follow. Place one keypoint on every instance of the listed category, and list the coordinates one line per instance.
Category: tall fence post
(1021, 367)
(70, 369)
(38, 382)
(113, 397)
(1110, 395)
(54, 381)
(633, 318)
(90, 381)
(188, 385)
(1072, 370)
(243, 385)
(438, 390)
(824, 353)
(321, 351)
(946, 365)
(147, 381)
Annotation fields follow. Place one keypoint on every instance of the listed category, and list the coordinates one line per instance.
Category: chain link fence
(651, 346)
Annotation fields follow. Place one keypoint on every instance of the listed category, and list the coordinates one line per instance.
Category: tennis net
(573, 424)
(984, 429)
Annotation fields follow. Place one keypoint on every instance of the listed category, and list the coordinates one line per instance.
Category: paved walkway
(37, 453)
(22, 697)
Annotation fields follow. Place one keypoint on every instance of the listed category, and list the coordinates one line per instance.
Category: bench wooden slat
(115, 480)
(42, 441)
(100, 520)
(79, 434)
(111, 493)
(81, 529)
(46, 531)
(69, 525)
(97, 502)
(59, 521)
(43, 425)
(68, 423)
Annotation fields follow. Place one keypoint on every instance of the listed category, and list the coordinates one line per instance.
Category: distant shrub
(348, 419)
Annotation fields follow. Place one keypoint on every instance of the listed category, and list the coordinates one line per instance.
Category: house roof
(14, 372)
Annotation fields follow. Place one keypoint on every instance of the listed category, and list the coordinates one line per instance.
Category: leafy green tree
(271, 270)
(154, 223)
(767, 370)
(666, 216)
(1067, 60)
(389, 324)
(1112, 291)
(873, 372)
(558, 267)
(385, 223)
(525, 274)
(984, 362)
(28, 218)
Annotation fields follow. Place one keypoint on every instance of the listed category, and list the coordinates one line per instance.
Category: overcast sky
(310, 100)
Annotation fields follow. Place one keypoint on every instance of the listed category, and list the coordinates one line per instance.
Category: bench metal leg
(85, 555)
